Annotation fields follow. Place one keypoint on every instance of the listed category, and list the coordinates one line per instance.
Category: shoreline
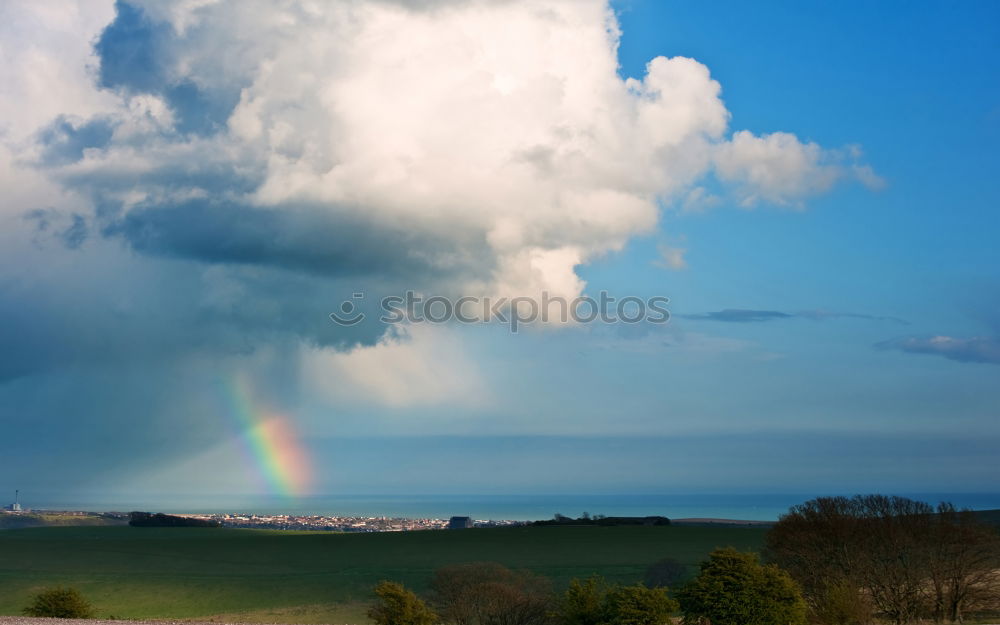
(50, 518)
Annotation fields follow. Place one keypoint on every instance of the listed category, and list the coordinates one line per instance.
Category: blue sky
(210, 182)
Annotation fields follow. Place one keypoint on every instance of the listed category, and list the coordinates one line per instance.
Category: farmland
(308, 577)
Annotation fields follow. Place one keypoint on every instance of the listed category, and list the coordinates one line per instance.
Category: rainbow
(269, 441)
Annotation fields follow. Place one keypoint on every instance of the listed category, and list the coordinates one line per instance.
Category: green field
(48, 519)
(312, 576)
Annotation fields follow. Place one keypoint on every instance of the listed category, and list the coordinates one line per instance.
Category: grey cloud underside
(310, 239)
(322, 239)
(744, 315)
(163, 311)
(977, 349)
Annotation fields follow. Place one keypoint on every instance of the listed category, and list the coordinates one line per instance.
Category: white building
(16, 506)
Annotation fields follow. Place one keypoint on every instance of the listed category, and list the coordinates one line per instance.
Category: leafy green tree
(60, 603)
(594, 602)
(583, 602)
(734, 588)
(398, 606)
(638, 605)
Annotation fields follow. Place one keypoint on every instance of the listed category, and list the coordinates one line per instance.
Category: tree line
(732, 588)
(828, 561)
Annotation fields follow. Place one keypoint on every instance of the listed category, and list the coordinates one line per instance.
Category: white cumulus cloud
(781, 169)
(492, 143)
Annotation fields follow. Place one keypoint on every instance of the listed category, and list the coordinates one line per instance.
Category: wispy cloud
(738, 315)
(746, 315)
(982, 349)
(671, 258)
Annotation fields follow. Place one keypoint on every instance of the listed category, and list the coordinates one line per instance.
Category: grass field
(48, 519)
(312, 577)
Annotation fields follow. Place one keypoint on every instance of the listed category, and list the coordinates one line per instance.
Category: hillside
(305, 577)
(59, 519)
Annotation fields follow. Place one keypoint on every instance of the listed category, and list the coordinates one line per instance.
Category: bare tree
(487, 593)
(963, 572)
(892, 555)
(903, 557)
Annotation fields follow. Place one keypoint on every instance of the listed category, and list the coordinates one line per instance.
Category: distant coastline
(52, 518)
(683, 508)
(63, 518)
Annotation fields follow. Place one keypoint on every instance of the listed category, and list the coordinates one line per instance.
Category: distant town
(14, 515)
(347, 523)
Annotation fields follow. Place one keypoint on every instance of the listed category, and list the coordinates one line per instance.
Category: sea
(740, 506)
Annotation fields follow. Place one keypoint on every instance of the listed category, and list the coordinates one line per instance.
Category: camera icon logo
(349, 315)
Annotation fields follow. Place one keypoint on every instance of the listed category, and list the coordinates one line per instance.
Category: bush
(840, 603)
(399, 606)
(734, 588)
(594, 602)
(60, 603)
(583, 602)
(638, 605)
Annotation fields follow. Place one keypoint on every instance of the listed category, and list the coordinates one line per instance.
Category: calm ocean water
(520, 507)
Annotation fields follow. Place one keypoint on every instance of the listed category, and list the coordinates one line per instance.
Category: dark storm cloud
(977, 349)
(743, 315)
